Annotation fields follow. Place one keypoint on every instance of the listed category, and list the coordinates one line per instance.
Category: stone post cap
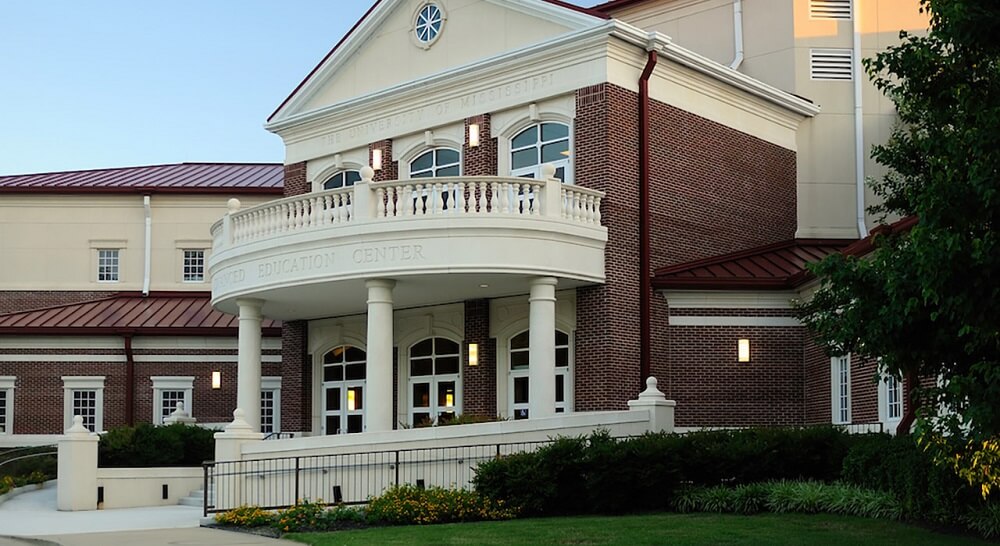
(651, 396)
(233, 205)
(367, 173)
(77, 426)
(239, 423)
(179, 416)
(548, 171)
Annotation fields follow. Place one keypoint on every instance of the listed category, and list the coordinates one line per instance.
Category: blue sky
(113, 83)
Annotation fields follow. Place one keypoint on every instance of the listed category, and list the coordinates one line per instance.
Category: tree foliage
(925, 300)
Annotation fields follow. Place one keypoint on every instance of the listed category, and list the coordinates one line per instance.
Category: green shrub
(10, 482)
(409, 505)
(339, 517)
(146, 445)
(750, 498)
(246, 516)
(304, 516)
(896, 464)
(985, 520)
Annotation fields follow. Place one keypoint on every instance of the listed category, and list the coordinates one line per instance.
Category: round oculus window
(428, 24)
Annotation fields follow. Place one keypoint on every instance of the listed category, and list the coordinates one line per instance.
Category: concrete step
(194, 498)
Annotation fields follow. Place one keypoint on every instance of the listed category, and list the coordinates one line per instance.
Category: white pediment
(383, 50)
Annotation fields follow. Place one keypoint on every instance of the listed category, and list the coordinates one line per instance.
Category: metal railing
(347, 478)
(279, 436)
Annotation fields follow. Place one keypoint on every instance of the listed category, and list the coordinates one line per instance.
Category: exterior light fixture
(351, 403)
(473, 354)
(473, 135)
(216, 380)
(377, 159)
(449, 400)
(743, 350)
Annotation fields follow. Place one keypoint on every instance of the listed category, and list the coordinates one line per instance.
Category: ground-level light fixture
(743, 350)
(473, 354)
(216, 380)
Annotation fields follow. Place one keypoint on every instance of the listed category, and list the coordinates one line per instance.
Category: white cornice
(725, 299)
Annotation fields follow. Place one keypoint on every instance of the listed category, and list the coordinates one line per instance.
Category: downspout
(859, 128)
(737, 34)
(644, 221)
(147, 258)
(129, 381)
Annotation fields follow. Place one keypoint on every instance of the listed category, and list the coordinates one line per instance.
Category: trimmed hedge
(146, 445)
(600, 474)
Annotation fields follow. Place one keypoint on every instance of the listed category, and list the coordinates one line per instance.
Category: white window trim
(889, 424)
(506, 137)
(171, 383)
(568, 393)
(443, 146)
(319, 400)
(7, 384)
(273, 384)
(433, 380)
(73, 383)
(200, 244)
(835, 409)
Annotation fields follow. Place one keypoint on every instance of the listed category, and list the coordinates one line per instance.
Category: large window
(540, 144)
(893, 398)
(7, 404)
(168, 391)
(435, 380)
(342, 179)
(439, 162)
(344, 370)
(84, 396)
(518, 383)
(270, 404)
(840, 381)
(194, 265)
(107, 265)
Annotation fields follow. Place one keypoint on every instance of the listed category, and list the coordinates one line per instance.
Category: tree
(926, 300)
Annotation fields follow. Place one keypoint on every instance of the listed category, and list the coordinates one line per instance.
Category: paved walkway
(32, 519)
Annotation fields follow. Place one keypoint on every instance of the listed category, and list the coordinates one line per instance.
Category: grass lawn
(673, 529)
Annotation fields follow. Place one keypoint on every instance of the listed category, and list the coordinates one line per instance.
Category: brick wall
(864, 390)
(479, 383)
(12, 301)
(295, 179)
(481, 160)
(390, 168)
(816, 388)
(296, 377)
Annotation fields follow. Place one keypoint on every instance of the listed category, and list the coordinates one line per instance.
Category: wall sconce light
(351, 403)
(473, 135)
(743, 350)
(216, 380)
(377, 159)
(449, 400)
(473, 354)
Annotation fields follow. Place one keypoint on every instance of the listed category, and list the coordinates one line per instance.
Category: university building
(513, 209)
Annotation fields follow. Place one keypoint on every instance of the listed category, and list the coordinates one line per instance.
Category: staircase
(194, 498)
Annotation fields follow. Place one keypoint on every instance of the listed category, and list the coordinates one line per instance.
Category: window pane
(355, 423)
(422, 163)
(521, 414)
(561, 174)
(336, 355)
(355, 372)
(554, 152)
(425, 174)
(520, 341)
(421, 419)
(332, 399)
(333, 424)
(448, 364)
(333, 373)
(554, 131)
(335, 181)
(446, 394)
(560, 388)
(562, 358)
(524, 158)
(519, 360)
(424, 348)
(421, 366)
(448, 171)
(520, 390)
(526, 137)
(355, 355)
(422, 395)
(444, 346)
(355, 399)
(352, 177)
(562, 338)
(446, 157)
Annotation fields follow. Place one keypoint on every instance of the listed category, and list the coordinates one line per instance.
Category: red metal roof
(177, 178)
(772, 267)
(170, 313)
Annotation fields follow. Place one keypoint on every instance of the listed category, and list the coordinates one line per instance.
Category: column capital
(250, 307)
(380, 283)
(544, 281)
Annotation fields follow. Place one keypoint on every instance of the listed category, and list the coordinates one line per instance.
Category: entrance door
(517, 386)
(344, 390)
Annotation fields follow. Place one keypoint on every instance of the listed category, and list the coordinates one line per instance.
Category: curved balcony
(441, 239)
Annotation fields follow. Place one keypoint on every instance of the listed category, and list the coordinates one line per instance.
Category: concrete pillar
(228, 483)
(379, 412)
(248, 361)
(77, 468)
(653, 401)
(542, 348)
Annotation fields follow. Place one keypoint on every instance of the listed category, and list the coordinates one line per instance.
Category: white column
(248, 361)
(542, 348)
(379, 411)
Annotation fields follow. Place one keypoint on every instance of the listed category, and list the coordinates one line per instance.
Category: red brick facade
(296, 182)
(479, 383)
(13, 301)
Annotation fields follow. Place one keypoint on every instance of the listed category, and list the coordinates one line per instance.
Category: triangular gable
(380, 52)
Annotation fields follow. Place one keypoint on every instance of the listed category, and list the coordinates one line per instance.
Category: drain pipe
(859, 128)
(148, 251)
(644, 220)
(737, 34)
(129, 381)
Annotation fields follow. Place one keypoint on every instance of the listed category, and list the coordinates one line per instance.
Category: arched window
(344, 390)
(540, 144)
(342, 179)
(438, 162)
(517, 386)
(435, 381)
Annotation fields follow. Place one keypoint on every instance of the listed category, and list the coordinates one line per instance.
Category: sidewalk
(32, 519)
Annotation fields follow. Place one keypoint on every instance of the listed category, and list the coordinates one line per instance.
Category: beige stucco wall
(50, 241)
(778, 35)
(473, 30)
